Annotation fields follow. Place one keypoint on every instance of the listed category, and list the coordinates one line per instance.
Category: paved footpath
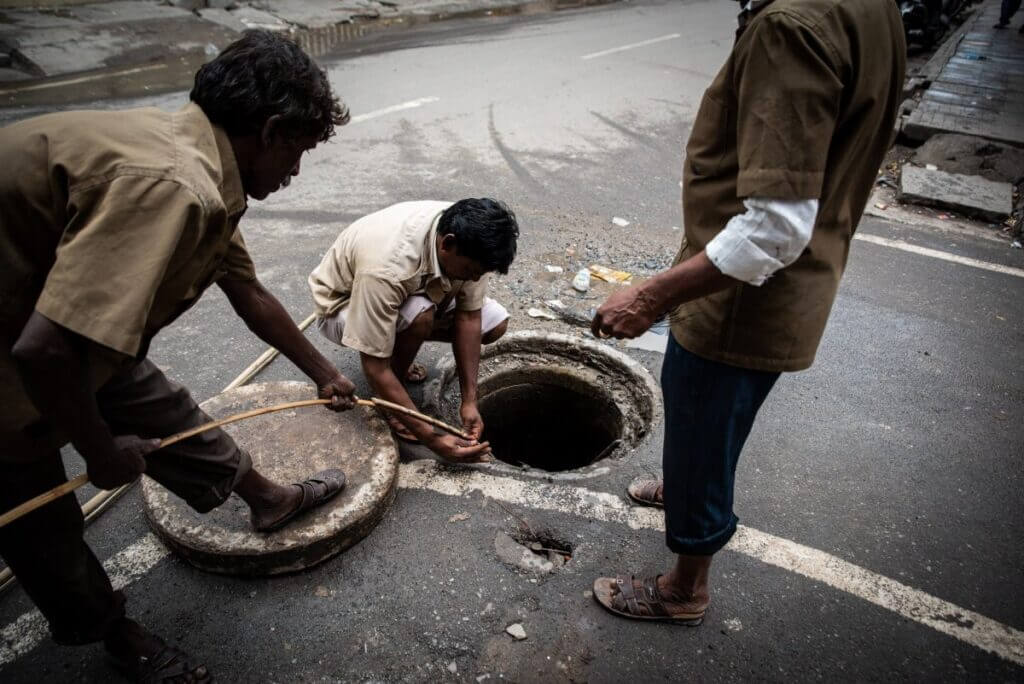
(979, 90)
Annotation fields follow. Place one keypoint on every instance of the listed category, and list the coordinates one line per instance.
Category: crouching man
(412, 272)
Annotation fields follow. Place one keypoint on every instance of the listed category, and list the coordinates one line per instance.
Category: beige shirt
(380, 261)
(113, 225)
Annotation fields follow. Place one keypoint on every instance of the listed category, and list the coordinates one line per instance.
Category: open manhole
(554, 403)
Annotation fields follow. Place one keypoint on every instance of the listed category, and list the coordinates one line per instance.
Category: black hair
(262, 74)
(485, 231)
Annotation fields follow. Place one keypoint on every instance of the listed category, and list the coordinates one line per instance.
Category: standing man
(113, 225)
(779, 166)
(412, 272)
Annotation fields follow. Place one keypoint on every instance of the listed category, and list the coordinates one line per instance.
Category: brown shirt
(802, 109)
(113, 225)
(376, 264)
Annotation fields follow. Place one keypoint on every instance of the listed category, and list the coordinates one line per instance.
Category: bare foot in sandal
(273, 506)
(648, 492)
(416, 373)
(649, 599)
(145, 657)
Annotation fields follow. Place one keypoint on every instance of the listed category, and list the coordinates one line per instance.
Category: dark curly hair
(485, 230)
(262, 74)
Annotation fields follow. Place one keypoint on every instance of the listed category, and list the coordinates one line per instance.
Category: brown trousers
(46, 549)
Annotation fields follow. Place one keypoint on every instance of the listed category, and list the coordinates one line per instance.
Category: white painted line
(939, 254)
(631, 46)
(83, 79)
(411, 104)
(22, 635)
(967, 626)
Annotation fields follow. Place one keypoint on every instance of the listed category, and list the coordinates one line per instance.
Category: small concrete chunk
(518, 556)
(971, 195)
(516, 631)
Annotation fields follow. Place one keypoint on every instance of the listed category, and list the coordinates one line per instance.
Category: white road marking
(82, 79)
(631, 46)
(411, 104)
(967, 626)
(22, 635)
(939, 254)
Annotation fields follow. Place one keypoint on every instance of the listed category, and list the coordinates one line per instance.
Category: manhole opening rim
(642, 408)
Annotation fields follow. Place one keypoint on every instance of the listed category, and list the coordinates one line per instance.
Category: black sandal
(316, 491)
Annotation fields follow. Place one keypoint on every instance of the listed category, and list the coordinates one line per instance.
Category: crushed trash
(931, 167)
(609, 275)
(541, 313)
(555, 304)
(459, 517)
(620, 222)
(581, 282)
(553, 269)
(881, 205)
(675, 227)
(516, 631)
(1016, 244)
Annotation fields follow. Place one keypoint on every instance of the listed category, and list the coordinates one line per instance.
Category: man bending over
(414, 272)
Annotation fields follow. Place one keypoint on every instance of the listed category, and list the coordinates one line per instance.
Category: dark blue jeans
(709, 410)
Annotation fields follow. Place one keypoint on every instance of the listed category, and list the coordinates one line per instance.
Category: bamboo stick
(263, 360)
(71, 485)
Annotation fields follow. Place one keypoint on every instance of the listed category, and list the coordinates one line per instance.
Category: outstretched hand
(457, 450)
(626, 314)
(125, 464)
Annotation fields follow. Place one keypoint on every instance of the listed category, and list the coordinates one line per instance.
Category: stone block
(970, 195)
(972, 156)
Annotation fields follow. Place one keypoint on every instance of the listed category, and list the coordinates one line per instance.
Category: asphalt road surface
(879, 491)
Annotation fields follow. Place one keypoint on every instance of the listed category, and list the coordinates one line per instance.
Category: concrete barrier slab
(286, 446)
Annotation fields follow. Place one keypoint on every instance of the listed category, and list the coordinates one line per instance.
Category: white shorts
(492, 314)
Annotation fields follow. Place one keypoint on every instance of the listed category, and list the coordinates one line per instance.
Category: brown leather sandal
(625, 598)
(647, 492)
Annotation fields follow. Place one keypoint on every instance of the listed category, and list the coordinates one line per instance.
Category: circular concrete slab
(286, 446)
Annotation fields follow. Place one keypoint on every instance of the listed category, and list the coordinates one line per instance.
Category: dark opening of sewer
(550, 427)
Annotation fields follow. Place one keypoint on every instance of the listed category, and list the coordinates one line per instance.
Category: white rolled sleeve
(770, 235)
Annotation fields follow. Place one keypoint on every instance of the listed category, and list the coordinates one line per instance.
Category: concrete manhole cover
(553, 403)
(287, 446)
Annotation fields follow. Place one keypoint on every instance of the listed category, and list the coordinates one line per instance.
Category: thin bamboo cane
(72, 485)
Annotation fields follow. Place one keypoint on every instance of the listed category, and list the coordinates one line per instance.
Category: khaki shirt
(802, 109)
(113, 225)
(380, 261)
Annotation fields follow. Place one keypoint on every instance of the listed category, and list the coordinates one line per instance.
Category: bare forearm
(387, 386)
(466, 348)
(54, 368)
(691, 279)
